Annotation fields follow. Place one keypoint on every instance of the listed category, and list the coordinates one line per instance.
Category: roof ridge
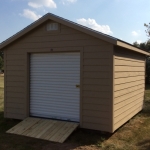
(59, 18)
(74, 25)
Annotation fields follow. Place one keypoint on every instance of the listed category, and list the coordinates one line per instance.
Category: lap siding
(96, 126)
(15, 115)
(102, 121)
(127, 101)
(95, 113)
(129, 74)
(128, 90)
(95, 75)
(128, 115)
(90, 100)
(122, 86)
(14, 85)
(129, 85)
(96, 87)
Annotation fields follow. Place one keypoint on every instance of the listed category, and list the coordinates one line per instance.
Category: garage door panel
(47, 90)
(44, 98)
(53, 97)
(53, 80)
(66, 107)
(55, 69)
(56, 110)
(51, 74)
(67, 87)
(59, 57)
(54, 116)
(57, 64)
(55, 94)
(73, 82)
(63, 56)
(45, 110)
(62, 72)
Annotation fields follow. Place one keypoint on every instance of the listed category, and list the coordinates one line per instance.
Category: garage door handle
(77, 86)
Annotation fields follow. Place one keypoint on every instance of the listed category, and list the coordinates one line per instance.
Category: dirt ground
(67, 146)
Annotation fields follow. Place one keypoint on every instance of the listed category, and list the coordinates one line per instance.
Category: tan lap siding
(15, 85)
(129, 85)
(96, 87)
(95, 70)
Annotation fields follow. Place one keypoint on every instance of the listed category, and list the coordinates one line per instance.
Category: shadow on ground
(80, 137)
(146, 110)
(5, 124)
(88, 137)
(146, 107)
(144, 145)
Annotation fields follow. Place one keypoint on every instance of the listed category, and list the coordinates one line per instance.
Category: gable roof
(74, 25)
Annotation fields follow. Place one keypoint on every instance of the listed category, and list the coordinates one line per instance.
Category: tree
(1, 63)
(1, 54)
(146, 47)
(148, 29)
(136, 44)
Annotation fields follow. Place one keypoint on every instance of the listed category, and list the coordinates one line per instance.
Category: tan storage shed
(55, 68)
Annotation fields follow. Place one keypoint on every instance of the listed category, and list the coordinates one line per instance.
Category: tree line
(146, 47)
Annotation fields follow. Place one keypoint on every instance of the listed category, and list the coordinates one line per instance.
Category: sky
(122, 19)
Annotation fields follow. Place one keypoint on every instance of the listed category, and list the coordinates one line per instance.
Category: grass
(134, 135)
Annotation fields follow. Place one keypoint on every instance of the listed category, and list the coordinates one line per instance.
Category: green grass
(134, 135)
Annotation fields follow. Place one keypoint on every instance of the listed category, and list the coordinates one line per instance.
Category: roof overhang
(73, 25)
(130, 47)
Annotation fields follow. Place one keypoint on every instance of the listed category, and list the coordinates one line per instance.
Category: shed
(55, 68)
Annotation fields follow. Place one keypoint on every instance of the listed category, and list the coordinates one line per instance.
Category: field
(134, 135)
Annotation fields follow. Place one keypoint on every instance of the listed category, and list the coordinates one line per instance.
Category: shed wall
(129, 85)
(96, 73)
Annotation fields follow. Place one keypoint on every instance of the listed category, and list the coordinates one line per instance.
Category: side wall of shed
(96, 73)
(129, 85)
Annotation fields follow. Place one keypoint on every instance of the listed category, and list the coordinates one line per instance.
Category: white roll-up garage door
(54, 80)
